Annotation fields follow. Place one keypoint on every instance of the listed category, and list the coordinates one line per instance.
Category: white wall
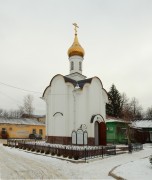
(77, 107)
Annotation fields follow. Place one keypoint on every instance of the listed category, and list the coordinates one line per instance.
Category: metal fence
(137, 146)
(66, 151)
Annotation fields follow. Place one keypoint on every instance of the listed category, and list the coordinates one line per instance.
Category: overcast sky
(36, 34)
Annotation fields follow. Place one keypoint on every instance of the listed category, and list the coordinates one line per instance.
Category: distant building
(141, 131)
(116, 130)
(20, 128)
(75, 105)
(40, 118)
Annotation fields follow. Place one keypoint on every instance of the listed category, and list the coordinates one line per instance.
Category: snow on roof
(113, 119)
(142, 124)
(20, 121)
(39, 116)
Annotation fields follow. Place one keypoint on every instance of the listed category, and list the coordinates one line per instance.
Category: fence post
(102, 151)
(85, 154)
(115, 150)
(23, 144)
(65, 152)
(35, 146)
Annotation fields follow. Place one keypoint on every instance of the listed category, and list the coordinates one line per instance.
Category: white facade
(69, 107)
(72, 101)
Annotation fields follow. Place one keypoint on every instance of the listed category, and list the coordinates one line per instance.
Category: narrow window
(80, 66)
(72, 65)
(41, 131)
(3, 131)
(34, 131)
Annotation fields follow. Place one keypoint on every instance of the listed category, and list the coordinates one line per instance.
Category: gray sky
(36, 34)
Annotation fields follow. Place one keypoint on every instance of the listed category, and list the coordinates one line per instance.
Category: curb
(114, 175)
(119, 177)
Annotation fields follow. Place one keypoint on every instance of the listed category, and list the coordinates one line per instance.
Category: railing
(67, 151)
(137, 146)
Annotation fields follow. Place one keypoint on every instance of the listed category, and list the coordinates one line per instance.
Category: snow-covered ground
(142, 169)
(138, 169)
(19, 164)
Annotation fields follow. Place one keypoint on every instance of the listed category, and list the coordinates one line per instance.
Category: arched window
(80, 66)
(74, 137)
(72, 65)
(79, 137)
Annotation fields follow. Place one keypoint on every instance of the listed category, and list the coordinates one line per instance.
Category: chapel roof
(81, 83)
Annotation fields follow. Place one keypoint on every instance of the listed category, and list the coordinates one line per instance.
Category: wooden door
(102, 134)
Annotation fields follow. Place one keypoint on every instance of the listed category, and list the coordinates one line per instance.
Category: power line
(17, 102)
(19, 88)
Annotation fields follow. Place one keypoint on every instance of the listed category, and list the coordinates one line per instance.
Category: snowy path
(18, 164)
(15, 165)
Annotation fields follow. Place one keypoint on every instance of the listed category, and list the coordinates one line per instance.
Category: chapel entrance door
(96, 128)
(150, 136)
(100, 133)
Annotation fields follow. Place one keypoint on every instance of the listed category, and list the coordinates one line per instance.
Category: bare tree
(1, 112)
(21, 110)
(126, 108)
(149, 113)
(15, 113)
(131, 108)
(28, 105)
(27, 109)
(10, 113)
(137, 109)
(5, 114)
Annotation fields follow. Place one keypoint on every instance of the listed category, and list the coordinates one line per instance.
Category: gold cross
(75, 27)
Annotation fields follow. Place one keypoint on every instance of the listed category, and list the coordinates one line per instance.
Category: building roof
(38, 116)
(81, 83)
(142, 124)
(113, 119)
(23, 121)
(32, 116)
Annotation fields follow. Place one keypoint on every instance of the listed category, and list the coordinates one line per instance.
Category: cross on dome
(75, 27)
(76, 49)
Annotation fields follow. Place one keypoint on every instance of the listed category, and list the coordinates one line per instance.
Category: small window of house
(34, 131)
(41, 131)
(72, 65)
(111, 128)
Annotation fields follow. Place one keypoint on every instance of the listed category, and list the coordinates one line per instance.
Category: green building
(116, 131)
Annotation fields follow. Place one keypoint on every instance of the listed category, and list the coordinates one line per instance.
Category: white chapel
(75, 104)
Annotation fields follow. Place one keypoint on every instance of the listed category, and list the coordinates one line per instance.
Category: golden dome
(76, 48)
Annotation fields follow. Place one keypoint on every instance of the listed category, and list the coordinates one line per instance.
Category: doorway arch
(99, 130)
(96, 133)
(100, 133)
